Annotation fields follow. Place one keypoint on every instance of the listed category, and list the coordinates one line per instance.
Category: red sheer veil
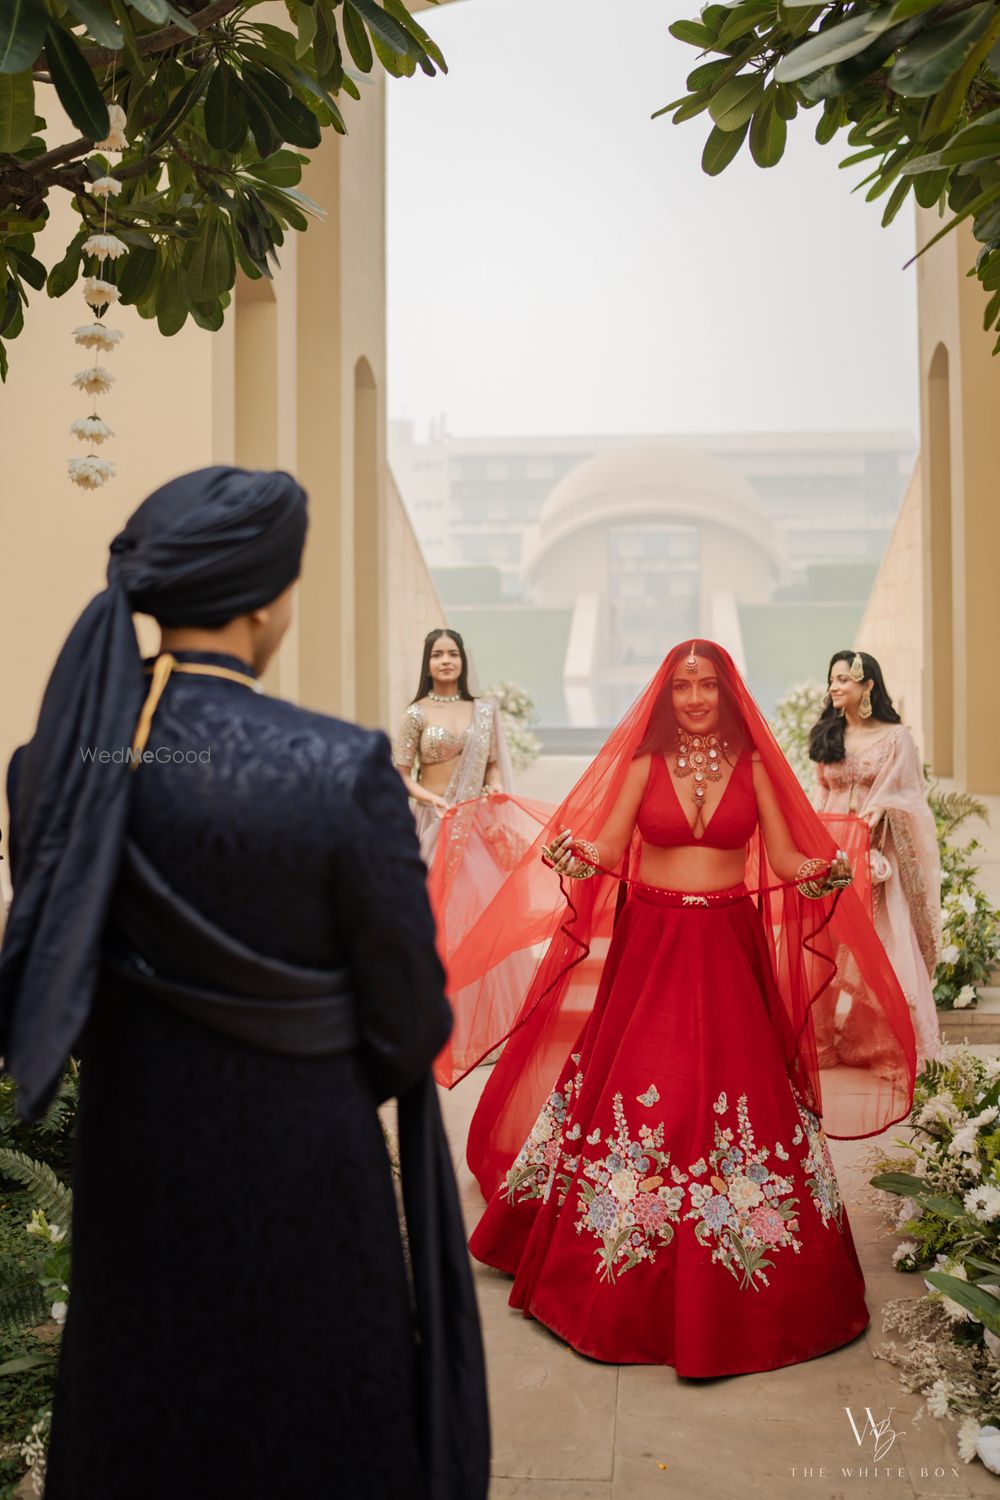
(524, 951)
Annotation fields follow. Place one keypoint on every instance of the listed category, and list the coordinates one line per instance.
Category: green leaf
(64, 273)
(17, 110)
(11, 303)
(399, 12)
(75, 84)
(693, 32)
(847, 75)
(833, 45)
(768, 133)
(903, 9)
(944, 108)
(209, 265)
(896, 200)
(306, 17)
(225, 116)
(326, 47)
(172, 304)
(28, 268)
(928, 189)
(161, 11)
(283, 169)
(906, 1184)
(982, 1304)
(137, 274)
(356, 38)
(696, 105)
(22, 31)
(744, 20)
(704, 76)
(721, 148)
(386, 30)
(208, 315)
(735, 103)
(139, 66)
(24, 1362)
(266, 137)
(181, 105)
(98, 23)
(925, 65)
(292, 120)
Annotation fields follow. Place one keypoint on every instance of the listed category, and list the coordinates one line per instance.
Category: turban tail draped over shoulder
(200, 551)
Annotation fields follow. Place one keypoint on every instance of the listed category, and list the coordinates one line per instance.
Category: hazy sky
(558, 262)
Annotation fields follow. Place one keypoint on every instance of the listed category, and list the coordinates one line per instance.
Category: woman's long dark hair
(661, 734)
(427, 681)
(826, 738)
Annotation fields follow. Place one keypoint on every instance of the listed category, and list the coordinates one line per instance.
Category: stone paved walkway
(567, 1428)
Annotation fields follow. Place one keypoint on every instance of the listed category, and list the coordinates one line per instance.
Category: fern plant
(23, 1303)
(53, 1197)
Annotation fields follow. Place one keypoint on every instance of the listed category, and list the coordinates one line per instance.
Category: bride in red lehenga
(652, 1143)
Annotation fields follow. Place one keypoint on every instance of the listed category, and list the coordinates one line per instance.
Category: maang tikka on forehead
(691, 662)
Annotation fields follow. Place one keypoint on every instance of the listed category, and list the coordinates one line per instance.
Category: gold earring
(865, 708)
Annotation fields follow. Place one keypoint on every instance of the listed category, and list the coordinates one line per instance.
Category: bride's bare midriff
(691, 869)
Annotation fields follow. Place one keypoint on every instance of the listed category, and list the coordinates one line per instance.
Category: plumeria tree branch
(219, 111)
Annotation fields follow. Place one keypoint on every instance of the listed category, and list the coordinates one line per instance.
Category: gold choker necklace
(700, 756)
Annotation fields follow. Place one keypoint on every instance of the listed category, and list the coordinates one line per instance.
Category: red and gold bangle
(587, 853)
(805, 882)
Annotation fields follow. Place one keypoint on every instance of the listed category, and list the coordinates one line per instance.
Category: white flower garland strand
(91, 472)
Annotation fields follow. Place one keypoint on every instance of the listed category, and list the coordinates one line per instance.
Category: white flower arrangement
(517, 712)
(91, 430)
(99, 293)
(90, 472)
(116, 140)
(106, 187)
(792, 720)
(97, 336)
(946, 1188)
(96, 381)
(105, 246)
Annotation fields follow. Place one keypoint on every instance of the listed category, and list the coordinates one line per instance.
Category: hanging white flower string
(93, 471)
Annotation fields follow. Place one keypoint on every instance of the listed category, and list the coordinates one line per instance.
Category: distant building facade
(571, 563)
(830, 497)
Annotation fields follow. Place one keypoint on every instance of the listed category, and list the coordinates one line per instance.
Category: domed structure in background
(572, 562)
(646, 543)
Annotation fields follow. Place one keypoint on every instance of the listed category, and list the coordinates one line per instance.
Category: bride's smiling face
(696, 698)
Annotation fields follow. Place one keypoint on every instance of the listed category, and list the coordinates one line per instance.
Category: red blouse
(664, 821)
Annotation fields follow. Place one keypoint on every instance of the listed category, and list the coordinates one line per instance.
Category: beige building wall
(296, 379)
(892, 627)
(960, 419)
(419, 609)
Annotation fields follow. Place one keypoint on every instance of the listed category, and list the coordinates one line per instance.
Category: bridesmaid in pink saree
(867, 763)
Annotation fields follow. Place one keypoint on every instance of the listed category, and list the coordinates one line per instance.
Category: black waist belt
(296, 1026)
(156, 944)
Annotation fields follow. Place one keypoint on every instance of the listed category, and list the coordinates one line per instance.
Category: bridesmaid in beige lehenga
(450, 745)
(867, 763)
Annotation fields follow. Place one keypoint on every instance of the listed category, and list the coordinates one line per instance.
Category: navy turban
(200, 551)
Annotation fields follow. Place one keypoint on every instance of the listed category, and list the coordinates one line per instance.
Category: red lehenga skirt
(675, 1202)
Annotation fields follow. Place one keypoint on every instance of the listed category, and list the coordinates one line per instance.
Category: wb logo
(881, 1433)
